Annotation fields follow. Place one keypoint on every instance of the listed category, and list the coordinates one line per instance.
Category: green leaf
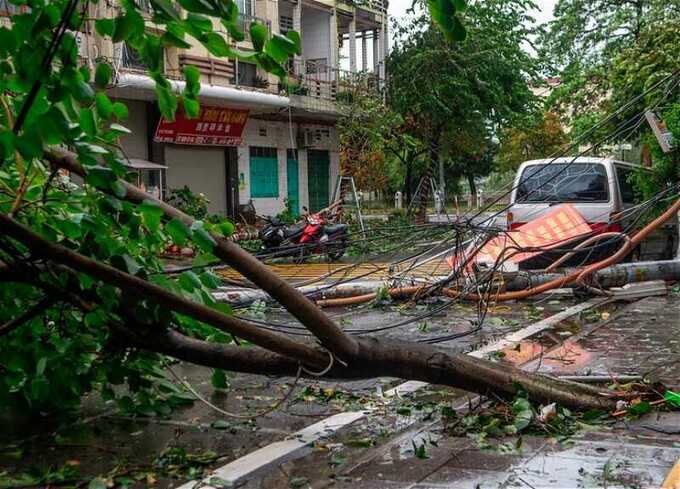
(227, 228)
(118, 128)
(459, 5)
(216, 44)
(40, 389)
(642, 407)
(280, 48)
(220, 424)
(166, 8)
(104, 105)
(119, 189)
(167, 102)
(210, 280)
(219, 379)
(523, 413)
(258, 34)
(7, 144)
(192, 108)
(189, 281)
(193, 79)
(151, 214)
(199, 22)
(69, 229)
(127, 26)
(178, 231)
(201, 237)
(105, 27)
(120, 110)
(83, 92)
(198, 6)
(672, 398)
(102, 75)
(100, 177)
(126, 263)
(172, 40)
(40, 367)
(87, 121)
(294, 37)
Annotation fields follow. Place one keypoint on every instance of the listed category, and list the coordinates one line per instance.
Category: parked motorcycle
(314, 236)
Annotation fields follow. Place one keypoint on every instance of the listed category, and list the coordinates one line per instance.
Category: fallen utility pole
(613, 276)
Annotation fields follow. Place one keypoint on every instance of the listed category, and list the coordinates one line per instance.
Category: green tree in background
(445, 90)
(540, 138)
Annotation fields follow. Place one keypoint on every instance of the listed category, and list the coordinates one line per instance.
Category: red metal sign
(214, 126)
(561, 225)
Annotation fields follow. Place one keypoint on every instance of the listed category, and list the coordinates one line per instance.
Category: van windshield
(563, 182)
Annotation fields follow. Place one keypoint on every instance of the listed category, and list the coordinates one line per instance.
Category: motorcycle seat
(293, 231)
(336, 228)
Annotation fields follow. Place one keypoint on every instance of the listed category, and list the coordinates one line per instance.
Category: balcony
(318, 80)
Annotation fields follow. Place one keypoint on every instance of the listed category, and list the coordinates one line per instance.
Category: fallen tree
(338, 355)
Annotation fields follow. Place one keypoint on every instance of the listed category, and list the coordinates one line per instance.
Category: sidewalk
(642, 337)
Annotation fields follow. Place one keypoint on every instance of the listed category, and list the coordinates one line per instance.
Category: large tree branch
(40, 307)
(135, 285)
(330, 336)
(379, 357)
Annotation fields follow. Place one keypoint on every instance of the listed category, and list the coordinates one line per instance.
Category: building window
(130, 58)
(246, 7)
(264, 172)
(246, 74)
(285, 23)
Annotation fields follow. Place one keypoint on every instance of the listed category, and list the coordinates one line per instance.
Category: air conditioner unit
(306, 138)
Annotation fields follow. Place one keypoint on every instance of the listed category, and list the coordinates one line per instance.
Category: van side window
(624, 175)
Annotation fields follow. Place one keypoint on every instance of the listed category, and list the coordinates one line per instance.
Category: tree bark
(379, 357)
(473, 186)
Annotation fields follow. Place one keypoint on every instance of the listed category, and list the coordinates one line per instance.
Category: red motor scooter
(315, 236)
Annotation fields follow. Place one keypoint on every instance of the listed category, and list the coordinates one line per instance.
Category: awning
(139, 164)
(142, 87)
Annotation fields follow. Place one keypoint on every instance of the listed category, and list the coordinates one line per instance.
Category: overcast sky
(398, 8)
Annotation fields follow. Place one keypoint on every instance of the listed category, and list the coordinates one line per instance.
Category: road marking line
(300, 443)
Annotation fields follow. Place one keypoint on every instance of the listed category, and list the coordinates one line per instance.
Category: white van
(598, 188)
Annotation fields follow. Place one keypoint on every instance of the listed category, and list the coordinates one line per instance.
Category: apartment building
(254, 141)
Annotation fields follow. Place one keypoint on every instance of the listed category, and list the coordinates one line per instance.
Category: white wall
(202, 169)
(315, 34)
(278, 135)
(135, 145)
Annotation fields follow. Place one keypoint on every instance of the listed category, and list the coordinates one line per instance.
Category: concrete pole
(333, 41)
(297, 26)
(376, 51)
(364, 52)
(353, 45)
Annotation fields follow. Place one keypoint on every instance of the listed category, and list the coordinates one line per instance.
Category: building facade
(288, 146)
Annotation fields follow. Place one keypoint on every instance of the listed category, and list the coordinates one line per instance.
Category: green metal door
(293, 186)
(318, 163)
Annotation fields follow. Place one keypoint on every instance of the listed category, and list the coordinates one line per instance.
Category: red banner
(214, 126)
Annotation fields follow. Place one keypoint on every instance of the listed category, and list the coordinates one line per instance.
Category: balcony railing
(317, 79)
(378, 5)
